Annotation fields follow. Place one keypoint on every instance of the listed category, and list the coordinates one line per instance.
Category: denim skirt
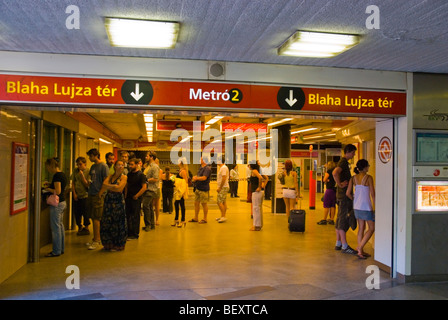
(365, 215)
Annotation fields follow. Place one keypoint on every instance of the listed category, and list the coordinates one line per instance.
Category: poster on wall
(19, 177)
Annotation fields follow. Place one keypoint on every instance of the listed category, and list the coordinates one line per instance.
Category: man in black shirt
(202, 185)
(135, 188)
(342, 177)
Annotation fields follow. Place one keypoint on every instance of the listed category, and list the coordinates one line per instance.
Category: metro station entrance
(314, 141)
(311, 132)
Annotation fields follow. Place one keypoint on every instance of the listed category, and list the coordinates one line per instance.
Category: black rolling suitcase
(297, 220)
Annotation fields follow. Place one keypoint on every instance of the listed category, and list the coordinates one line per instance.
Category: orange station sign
(122, 93)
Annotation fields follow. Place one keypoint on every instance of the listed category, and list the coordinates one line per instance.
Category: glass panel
(49, 149)
(432, 147)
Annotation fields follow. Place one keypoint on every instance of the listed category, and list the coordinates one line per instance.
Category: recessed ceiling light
(278, 122)
(142, 33)
(303, 130)
(317, 44)
(148, 117)
(186, 138)
(104, 141)
(214, 120)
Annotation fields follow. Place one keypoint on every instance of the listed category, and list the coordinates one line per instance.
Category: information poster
(19, 177)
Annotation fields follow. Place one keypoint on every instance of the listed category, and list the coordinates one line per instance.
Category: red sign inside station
(227, 96)
(233, 126)
(165, 125)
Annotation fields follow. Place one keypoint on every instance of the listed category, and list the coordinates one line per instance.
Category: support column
(284, 152)
(37, 190)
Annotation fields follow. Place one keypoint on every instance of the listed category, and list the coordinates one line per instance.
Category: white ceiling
(412, 37)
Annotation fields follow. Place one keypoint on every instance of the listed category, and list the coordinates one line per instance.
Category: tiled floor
(215, 261)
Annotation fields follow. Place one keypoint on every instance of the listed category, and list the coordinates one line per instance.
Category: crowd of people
(113, 195)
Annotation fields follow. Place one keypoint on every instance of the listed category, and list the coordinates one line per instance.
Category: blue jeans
(148, 208)
(57, 227)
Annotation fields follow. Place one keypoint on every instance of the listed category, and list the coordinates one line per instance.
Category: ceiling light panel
(303, 130)
(278, 122)
(317, 44)
(214, 120)
(142, 33)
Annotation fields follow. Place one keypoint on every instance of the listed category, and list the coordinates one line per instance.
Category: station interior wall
(13, 229)
(58, 127)
(14, 246)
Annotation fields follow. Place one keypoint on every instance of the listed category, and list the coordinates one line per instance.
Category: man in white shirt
(223, 189)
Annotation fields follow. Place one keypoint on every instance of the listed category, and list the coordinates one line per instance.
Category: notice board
(19, 177)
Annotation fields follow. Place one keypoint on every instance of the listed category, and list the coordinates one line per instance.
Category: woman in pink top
(363, 199)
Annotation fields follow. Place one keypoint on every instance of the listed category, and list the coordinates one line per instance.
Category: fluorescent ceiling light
(317, 44)
(312, 137)
(214, 120)
(104, 141)
(259, 139)
(141, 33)
(185, 139)
(232, 136)
(278, 122)
(148, 117)
(303, 130)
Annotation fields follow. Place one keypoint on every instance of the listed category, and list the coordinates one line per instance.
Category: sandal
(192, 220)
(202, 221)
(365, 254)
(51, 254)
(361, 256)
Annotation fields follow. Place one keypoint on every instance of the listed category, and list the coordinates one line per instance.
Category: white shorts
(289, 193)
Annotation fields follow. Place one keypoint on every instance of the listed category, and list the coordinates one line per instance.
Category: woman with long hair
(256, 185)
(113, 230)
(180, 193)
(363, 198)
(290, 187)
(329, 195)
(57, 187)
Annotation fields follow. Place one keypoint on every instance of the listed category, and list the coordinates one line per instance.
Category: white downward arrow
(291, 101)
(137, 94)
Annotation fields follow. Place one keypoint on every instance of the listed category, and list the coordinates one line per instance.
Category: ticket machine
(430, 171)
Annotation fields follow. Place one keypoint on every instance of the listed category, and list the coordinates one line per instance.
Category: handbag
(53, 200)
(281, 177)
(352, 219)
